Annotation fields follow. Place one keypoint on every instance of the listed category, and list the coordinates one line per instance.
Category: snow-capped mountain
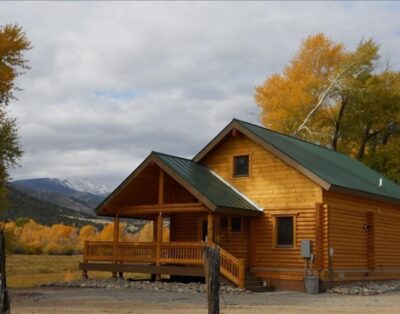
(77, 194)
(88, 186)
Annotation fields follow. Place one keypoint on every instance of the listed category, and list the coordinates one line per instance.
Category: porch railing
(185, 253)
(232, 268)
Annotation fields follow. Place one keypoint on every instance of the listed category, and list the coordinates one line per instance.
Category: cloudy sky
(111, 82)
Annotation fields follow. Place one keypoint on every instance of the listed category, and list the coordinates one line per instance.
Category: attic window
(241, 166)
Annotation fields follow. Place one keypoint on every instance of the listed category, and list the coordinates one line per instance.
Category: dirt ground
(80, 300)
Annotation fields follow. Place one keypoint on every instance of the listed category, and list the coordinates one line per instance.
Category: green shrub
(21, 221)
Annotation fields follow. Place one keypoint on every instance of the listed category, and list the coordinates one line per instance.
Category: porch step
(255, 284)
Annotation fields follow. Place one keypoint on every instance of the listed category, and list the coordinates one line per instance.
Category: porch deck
(157, 258)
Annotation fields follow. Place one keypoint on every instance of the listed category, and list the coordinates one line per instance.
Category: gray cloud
(112, 81)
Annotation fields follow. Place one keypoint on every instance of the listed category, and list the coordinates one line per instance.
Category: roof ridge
(319, 146)
(169, 155)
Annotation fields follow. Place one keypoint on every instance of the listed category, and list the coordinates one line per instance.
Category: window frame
(294, 229)
(234, 175)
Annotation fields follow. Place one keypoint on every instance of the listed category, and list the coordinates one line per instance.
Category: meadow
(27, 271)
(32, 270)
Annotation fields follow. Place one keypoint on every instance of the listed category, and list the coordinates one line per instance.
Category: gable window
(285, 226)
(236, 224)
(241, 166)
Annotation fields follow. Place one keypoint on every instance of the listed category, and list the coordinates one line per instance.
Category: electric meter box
(306, 248)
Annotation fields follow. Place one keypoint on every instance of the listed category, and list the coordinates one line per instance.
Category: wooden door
(202, 229)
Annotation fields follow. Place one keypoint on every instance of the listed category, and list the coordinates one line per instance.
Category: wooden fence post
(4, 299)
(211, 259)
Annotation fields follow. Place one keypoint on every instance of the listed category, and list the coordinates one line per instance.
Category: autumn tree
(13, 45)
(336, 98)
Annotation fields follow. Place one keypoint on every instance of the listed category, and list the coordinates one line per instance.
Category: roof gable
(210, 189)
(330, 169)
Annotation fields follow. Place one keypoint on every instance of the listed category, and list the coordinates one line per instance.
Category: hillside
(21, 204)
(79, 195)
(57, 199)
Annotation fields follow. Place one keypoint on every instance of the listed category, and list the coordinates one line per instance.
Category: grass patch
(25, 271)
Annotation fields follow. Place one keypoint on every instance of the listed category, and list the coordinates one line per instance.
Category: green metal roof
(206, 182)
(333, 167)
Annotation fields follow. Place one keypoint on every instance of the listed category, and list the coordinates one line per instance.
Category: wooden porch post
(116, 228)
(159, 240)
(158, 223)
(241, 275)
(210, 227)
(161, 188)
(85, 253)
(116, 238)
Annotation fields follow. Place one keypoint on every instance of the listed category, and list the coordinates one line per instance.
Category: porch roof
(204, 184)
(208, 183)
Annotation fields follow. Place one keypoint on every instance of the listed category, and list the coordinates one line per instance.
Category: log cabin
(256, 194)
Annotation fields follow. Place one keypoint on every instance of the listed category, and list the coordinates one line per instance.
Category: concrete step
(257, 289)
(256, 284)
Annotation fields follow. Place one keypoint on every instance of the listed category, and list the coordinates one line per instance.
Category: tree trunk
(338, 123)
(4, 299)
(385, 139)
(363, 145)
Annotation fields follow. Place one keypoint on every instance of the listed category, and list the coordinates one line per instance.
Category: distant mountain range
(50, 201)
(82, 196)
(22, 205)
(87, 186)
(67, 186)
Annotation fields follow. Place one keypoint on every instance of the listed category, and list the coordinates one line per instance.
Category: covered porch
(189, 196)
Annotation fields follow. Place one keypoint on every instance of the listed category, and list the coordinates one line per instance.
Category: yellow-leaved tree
(337, 98)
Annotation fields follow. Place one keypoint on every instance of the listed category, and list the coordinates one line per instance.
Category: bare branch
(321, 100)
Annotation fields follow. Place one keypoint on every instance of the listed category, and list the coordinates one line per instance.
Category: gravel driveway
(90, 300)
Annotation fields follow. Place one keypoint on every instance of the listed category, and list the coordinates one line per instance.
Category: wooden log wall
(175, 193)
(236, 243)
(364, 235)
(142, 190)
(272, 262)
(279, 189)
(184, 227)
(272, 183)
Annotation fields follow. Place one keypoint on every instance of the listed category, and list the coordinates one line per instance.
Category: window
(241, 166)
(284, 231)
(236, 224)
(224, 222)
